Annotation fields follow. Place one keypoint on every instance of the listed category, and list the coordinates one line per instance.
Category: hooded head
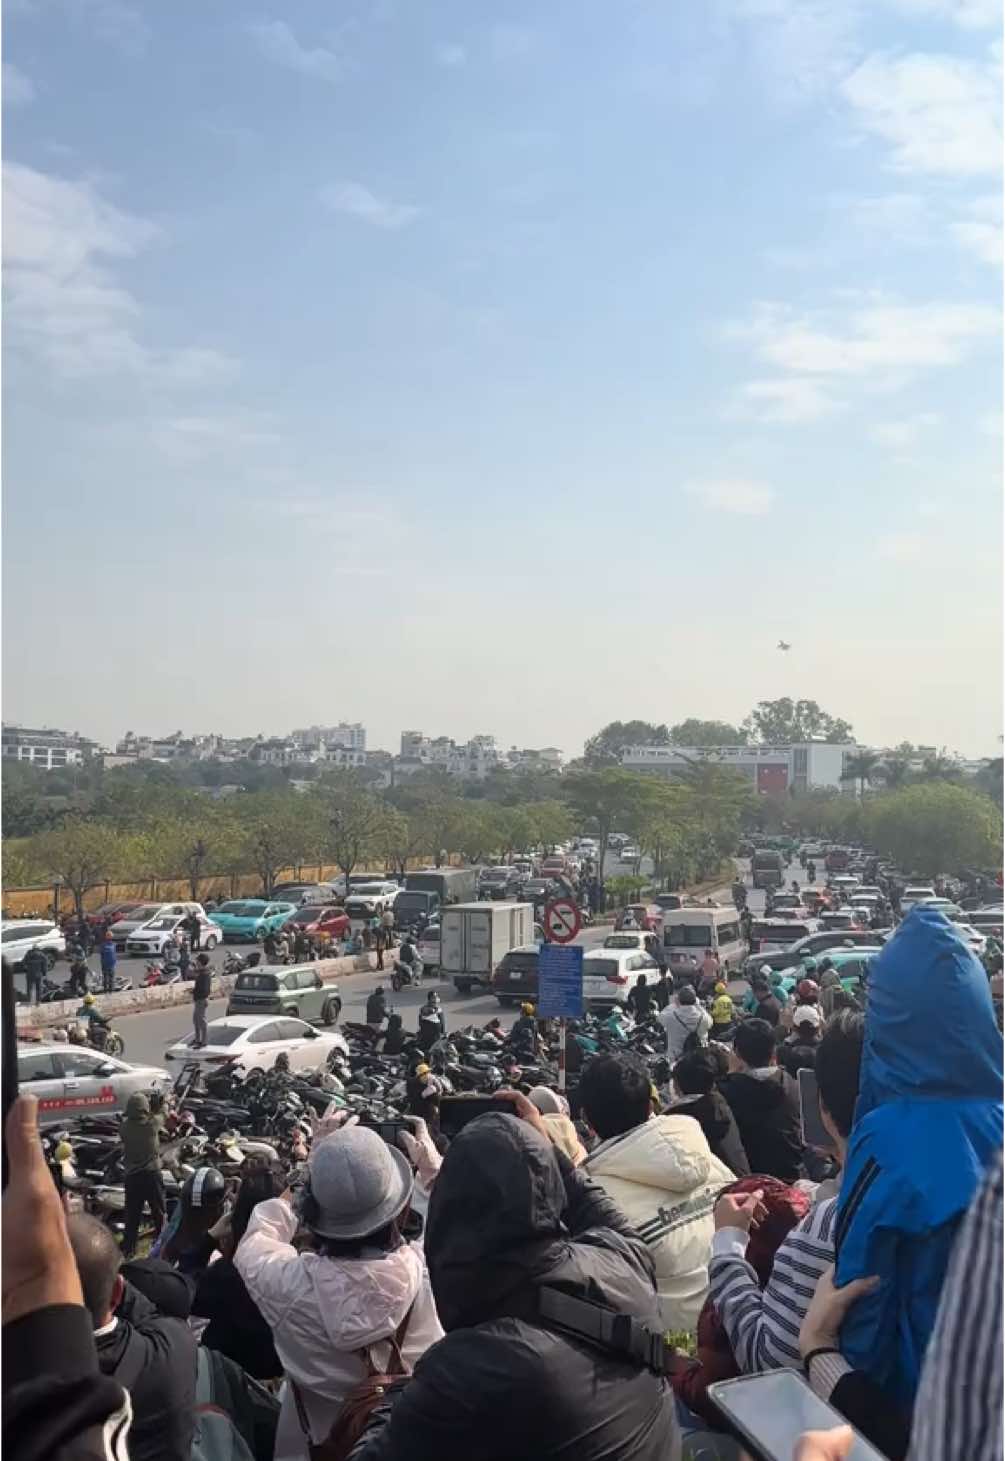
(138, 1107)
(495, 1217)
(930, 1024)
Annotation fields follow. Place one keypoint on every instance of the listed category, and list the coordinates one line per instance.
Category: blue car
(250, 919)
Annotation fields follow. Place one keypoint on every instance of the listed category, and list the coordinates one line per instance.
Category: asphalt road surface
(147, 1036)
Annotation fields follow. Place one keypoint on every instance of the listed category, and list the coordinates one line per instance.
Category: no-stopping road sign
(562, 920)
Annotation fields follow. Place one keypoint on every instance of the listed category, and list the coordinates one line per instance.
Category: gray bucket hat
(358, 1182)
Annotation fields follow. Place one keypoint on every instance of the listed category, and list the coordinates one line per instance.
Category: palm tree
(939, 768)
(859, 767)
(895, 770)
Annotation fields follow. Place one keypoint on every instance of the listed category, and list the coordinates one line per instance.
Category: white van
(690, 932)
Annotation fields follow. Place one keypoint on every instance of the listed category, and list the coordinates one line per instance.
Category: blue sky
(502, 367)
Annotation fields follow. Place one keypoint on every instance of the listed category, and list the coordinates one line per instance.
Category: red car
(319, 920)
(110, 913)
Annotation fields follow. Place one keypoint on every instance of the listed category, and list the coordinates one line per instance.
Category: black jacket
(203, 985)
(717, 1121)
(36, 965)
(509, 1216)
(768, 1120)
(376, 1008)
(769, 1008)
(154, 1358)
(57, 1406)
(236, 1327)
(797, 1055)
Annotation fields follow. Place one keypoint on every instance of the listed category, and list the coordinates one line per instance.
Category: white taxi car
(252, 1042)
(70, 1081)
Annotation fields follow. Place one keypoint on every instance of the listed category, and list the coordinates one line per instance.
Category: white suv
(21, 934)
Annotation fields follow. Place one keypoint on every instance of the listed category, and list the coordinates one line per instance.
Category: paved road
(148, 1035)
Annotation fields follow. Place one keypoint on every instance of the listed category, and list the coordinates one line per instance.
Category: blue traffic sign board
(560, 981)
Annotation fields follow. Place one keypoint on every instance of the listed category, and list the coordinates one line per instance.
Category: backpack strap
(617, 1333)
(396, 1364)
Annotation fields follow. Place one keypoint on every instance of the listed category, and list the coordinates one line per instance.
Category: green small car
(285, 989)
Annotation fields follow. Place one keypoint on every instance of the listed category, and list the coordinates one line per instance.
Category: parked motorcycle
(237, 963)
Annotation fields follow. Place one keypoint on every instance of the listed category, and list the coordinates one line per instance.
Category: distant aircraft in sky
(783, 645)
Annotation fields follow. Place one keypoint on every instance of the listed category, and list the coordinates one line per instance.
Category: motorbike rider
(78, 976)
(376, 1008)
(94, 1021)
(811, 872)
(432, 1022)
(740, 895)
(395, 1037)
(640, 1000)
(524, 1030)
(407, 963)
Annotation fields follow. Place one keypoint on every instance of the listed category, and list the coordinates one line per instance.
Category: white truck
(475, 936)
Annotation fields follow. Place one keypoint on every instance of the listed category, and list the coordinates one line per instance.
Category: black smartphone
(388, 1129)
(9, 1054)
(815, 1133)
(772, 1410)
(457, 1111)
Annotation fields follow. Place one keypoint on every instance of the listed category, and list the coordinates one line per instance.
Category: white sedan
(154, 937)
(252, 1042)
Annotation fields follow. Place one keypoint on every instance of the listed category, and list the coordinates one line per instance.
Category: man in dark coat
(511, 1222)
(764, 1102)
(151, 1356)
(694, 1087)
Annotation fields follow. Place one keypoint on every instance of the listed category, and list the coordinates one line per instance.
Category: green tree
(352, 818)
(895, 770)
(605, 748)
(198, 842)
(706, 733)
(989, 779)
(939, 767)
(550, 823)
(20, 867)
(80, 854)
(399, 838)
(935, 828)
(784, 721)
(860, 767)
(607, 797)
(277, 831)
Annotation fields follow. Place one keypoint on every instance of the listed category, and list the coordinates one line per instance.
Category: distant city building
(344, 736)
(773, 769)
(549, 758)
(47, 748)
(469, 762)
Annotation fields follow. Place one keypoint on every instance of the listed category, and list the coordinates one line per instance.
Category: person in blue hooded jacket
(928, 1124)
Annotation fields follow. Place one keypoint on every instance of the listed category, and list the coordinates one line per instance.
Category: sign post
(560, 990)
(562, 920)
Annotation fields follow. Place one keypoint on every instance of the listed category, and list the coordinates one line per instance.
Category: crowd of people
(569, 1275)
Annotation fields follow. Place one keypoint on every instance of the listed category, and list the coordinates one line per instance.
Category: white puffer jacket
(665, 1180)
(323, 1310)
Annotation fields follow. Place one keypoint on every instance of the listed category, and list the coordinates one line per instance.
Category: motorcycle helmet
(422, 1070)
(60, 1036)
(88, 999)
(808, 990)
(63, 1152)
(720, 988)
(282, 1063)
(526, 1009)
(205, 1188)
(810, 965)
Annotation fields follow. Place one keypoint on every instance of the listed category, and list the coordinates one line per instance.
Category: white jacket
(679, 1021)
(322, 1310)
(665, 1180)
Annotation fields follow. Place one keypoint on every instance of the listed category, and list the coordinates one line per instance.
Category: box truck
(475, 936)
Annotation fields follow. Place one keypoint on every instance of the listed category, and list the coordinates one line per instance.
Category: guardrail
(38, 1017)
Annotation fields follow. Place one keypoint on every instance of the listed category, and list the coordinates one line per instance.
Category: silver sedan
(72, 1081)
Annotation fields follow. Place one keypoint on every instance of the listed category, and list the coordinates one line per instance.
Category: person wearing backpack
(354, 1304)
(554, 1345)
(686, 1022)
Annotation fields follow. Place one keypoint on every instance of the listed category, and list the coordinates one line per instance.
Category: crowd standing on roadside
(523, 1289)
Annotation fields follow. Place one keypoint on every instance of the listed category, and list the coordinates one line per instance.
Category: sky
(502, 367)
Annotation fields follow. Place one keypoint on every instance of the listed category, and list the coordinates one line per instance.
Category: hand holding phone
(456, 1112)
(772, 1412)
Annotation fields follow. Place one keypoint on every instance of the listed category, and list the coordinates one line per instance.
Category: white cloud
(277, 42)
(900, 435)
(359, 202)
(789, 399)
(887, 217)
(967, 14)
(904, 547)
(18, 89)
(450, 55)
(803, 47)
(66, 308)
(941, 114)
(874, 338)
(738, 495)
(981, 231)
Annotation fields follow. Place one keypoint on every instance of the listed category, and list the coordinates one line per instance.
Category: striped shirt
(763, 1326)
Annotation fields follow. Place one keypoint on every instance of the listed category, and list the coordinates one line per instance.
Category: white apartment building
(49, 749)
(469, 762)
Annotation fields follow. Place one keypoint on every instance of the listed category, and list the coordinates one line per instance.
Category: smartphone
(772, 1410)
(457, 1111)
(388, 1130)
(9, 1053)
(815, 1132)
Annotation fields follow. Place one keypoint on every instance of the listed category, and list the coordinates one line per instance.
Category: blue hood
(930, 1027)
